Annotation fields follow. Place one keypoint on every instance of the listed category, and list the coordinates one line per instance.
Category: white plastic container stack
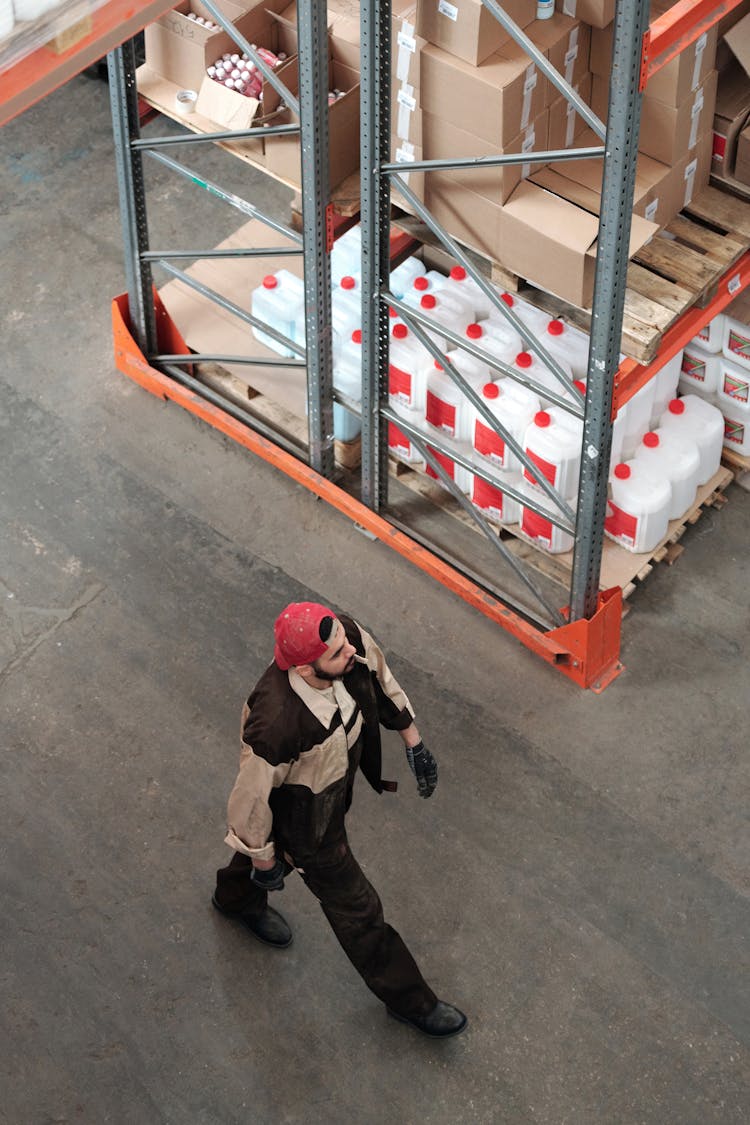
(711, 338)
(637, 413)
(448, 313)
(532, 367)
(403, 277)
(540, 530)
(493, 501)
(279, 301)
(568, 345)
(665, 387)
(735, 342)
(459, 283)
(447, 407)
(428, 282)
(535, 319)
(347, 377)
(407, 373)
(733, 390)
(497, 336)
(399, 444)
(346, 255)
(676, 458)
(515, 407)
(457, 473)
(638, 511)
(346, 306)
(553, 442)
(703, 424)
(700, 371)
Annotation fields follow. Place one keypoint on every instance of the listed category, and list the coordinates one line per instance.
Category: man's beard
(327, 675)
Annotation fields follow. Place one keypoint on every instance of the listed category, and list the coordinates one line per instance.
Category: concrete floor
(578, 884)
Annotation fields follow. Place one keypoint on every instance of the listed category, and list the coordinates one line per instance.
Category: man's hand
(269, 878)
(424, 767)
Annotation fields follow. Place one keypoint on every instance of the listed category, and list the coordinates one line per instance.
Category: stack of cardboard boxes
(731, 140)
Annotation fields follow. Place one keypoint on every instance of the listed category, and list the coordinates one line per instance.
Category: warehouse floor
(578, 884)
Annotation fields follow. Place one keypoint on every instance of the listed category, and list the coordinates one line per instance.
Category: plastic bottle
(537, 528)
(637, 419)
(733, 387)
(448, 313)
(279, 301)
(347, 377)
(403, 277)
(426, 283)
(460, 283)
(665, 387)
(737, 428)
(447, 407)
(711, 337)
(457, 473)
(346, 305)
(545, 9)
(498, 337)
(701, 422)
(532, 367)
(536, 320)
(568, 345)
(515, 408)
(554, 445)
(700, 370)
(346, 255)
(735, 342)
(409, 364)
(493, 502)
(638, 511)
(399, 444)
(676, 458)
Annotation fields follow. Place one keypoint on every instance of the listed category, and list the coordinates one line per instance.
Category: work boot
(442, 1021)
(268, 926)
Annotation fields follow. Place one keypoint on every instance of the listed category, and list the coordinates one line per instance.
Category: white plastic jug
(711, 337)
(492, 345)
(532, 367)
(447, 407)
(568, 345)
(428, 282)
(515, 407)
(457, 473)
(735, 342)
(459, 282)
(497, 336)
(733, 386)
(346, 306)
(346, 255)
(535, 319)
(444, 311)
(704, 424)
(347, 377)
(737, 427)
(700, 370)
(554, 445)
(665, 387)
(403, 277)
(399, 444)
(637, 419)
(675, 457)
(409, 364)
(638, 510)
(493, 502)
(279, 301)
(537, 528)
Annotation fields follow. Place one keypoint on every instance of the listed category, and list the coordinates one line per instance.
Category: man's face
(338, 660)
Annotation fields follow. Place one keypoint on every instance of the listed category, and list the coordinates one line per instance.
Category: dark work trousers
(351, 905)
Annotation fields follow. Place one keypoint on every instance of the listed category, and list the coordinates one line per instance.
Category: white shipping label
(405, 155)
(529, 143)
(449, 10)
(569, 8)
(734, 284)
(695, 114)
(570, 62)
(651, 210)
(528, 90)
(405, 116)
(570, 125)
(405, 97)
(407, 46)
(690, 180)
(700, 46)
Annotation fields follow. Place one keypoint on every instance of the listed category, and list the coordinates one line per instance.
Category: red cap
(523, 359)
(542, 419)
(555, 328)
(348, 283)
(421, 282)
(393, 313)
(491, 390)
(357, 336)
(400, 332)
(428, 301)
(580, 385)
(438, 366)
(508, 299)
(475, 331)
(270, 282)
(458, 273)
(676, 406)
(297, 633)
(622, 471)
(651, 440)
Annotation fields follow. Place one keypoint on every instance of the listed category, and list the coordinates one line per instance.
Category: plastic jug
(279, 301)
(568, 345)
(447, 408)
(346, 306)
(737, 427)
(711, 337)
(536, 320)
(493, 502)
(637, 419)
(428, 282)
(733, 386)
(638, 510)
(497, 336)
(554, 445)
(735, 342)
(409, 364)
(399, 444)
(701, 422)
(403, 277)
(347, 377)
(676, 458)
(532, 367)
(457, 473)
(459, 282)
(665, 387)
(346, 255)
(700, 370)
(450, 314)
(537, 528)
(515, 407)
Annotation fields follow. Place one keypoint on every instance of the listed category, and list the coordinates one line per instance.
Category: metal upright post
(375, 131)
(313, 71)
(621, 152)
(129, 162)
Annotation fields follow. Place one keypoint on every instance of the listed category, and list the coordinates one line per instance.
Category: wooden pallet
(739, 466)
(678, 269)
(619, 567)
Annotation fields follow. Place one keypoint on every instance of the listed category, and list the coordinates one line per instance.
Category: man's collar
(322, 707)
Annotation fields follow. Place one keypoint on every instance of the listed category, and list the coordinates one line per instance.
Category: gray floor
(578, 883)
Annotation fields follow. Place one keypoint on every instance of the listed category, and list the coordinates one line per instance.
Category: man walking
(311, 721)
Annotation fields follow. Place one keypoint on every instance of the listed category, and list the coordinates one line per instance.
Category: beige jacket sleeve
(249, 818)
(390, 686)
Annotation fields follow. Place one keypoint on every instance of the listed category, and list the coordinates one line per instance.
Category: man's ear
(306, 671)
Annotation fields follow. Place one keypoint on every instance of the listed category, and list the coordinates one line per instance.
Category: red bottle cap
(392, 313)
(491, 390)
(580, 385)
(508, 299)
(651, 440)
(428, 301)
(458, 273)
(474, 332)
(523, 359)
(677, 406)
(270, 282)
(542, 419)
(622, 471)
(357, 336)
(555, 328)
(348, 283)
(421, 283)
(438, 366)
(400, 332)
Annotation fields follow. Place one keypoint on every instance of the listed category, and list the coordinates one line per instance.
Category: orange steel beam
(676, 29)
(631, 376)
(587, 652)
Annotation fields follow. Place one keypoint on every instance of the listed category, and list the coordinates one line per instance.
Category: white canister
(675, 457)
(428, 282)
(711, 337)
(279, 301)
(700, 370)
(457, 473)
(733, 386)
(554, 446)
(447, 408)
(568, 345)
(536, 320)
(459, 282)
(399, 444)
(404, 276)
(346, 306)
(493, 502)
(538, 529)
(735, 342)
(665, 387)
(637, 419)
(496, 334)
(409, 363)
(448, 313)
(533, 367)
(638, 510)
(515, 407)
(704, 424)
(346, 255)
(737, 428)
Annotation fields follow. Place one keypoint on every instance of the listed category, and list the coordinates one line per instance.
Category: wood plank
(650, 285)
(722, 249)
(677, 263)
(721, 209)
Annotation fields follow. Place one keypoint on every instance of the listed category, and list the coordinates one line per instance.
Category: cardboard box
(469, 217)
(180, 49)
(565, 42)
(596, 13)
(466, 29)
(494, 101)
(442, 140)
(552, 242)
(742, 160)
(676, 81)
(680, 183)
(564, 123)
(403, 152)
(732, 110)
(724, 53)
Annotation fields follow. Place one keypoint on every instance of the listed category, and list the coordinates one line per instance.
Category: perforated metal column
(631, 20)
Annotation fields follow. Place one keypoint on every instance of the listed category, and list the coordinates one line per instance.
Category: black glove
(424, 767)
(271, 880)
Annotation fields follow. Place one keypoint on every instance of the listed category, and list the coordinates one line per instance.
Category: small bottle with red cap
(279, 301)
(675, 457)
